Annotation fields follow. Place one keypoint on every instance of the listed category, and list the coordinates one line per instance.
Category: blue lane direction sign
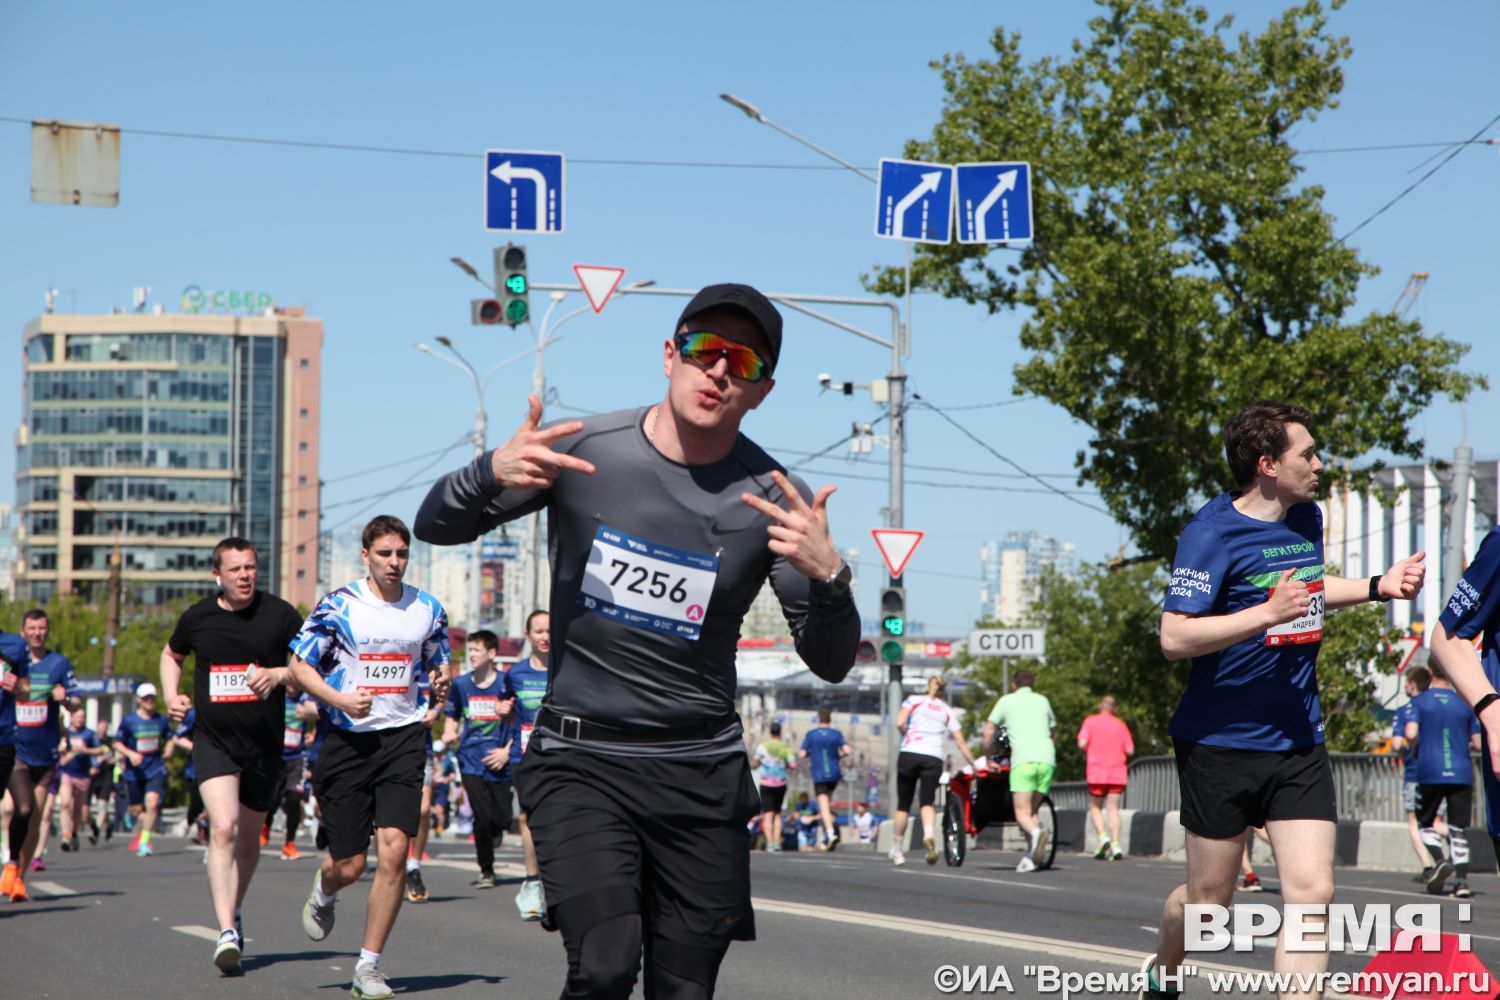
(914, 201)
(994, 202)
(523, 191)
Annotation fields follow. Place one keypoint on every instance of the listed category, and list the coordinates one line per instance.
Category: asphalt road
(846, 925)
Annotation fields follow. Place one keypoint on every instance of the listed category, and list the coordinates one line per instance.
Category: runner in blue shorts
(140, 742)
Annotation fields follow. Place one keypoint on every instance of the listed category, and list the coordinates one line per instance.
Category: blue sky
(363, 239)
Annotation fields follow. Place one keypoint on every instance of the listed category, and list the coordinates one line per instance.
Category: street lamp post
(896, 408)
(111, 589)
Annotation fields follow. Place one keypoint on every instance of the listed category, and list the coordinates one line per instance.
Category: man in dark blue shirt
(1246, 602)
(823, 746)
(1472, 611)
(1418, 679)
(1442, 727)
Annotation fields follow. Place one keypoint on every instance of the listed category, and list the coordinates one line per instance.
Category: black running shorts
(913, 770)
(257, 772)
(370, 780)
(772, 797)
(666, 837)
(1227, 791)
(1460, 799)
(824, 787)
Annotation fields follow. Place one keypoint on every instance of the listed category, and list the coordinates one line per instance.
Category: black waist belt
(571, 727)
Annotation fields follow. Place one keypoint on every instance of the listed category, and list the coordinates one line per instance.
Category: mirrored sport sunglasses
(705, 350)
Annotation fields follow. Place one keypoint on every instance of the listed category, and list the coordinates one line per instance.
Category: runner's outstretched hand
(799, 534)
(527, 461)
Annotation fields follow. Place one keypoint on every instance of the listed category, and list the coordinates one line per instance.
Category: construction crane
(1408, 297)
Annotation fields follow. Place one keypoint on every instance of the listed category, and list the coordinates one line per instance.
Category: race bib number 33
(647, 585)
(384, 673)
(1308, 628)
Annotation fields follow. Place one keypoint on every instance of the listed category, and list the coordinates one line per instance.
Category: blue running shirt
(1444, 724)
(1399, 719)
(1473, 609)
(478, 709)
(1261, 693)
(37, 721)
(147, 736)
(823, 745)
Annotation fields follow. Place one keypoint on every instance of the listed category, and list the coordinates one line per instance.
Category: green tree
(1179, 270)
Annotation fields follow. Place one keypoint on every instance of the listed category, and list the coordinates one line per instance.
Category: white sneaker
(1026, 864)
(369, 983)
(529, 901)
(897, 856)
(1117, 854)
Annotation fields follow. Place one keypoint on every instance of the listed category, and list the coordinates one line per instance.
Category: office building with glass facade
(164, 434)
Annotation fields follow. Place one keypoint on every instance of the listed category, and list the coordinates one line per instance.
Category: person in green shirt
(1029, 722)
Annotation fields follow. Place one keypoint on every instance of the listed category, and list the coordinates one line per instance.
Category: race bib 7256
(648, 585)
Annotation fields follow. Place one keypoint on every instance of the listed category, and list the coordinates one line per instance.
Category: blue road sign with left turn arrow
(994, 202)
(914, 201)
(523, 192)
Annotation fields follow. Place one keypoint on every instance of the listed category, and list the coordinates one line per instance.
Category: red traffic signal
(485, 312)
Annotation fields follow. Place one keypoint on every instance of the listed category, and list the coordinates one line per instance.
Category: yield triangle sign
(896, 546)
(598, 283)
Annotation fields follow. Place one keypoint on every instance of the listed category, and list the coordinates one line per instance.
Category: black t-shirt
(228, 713)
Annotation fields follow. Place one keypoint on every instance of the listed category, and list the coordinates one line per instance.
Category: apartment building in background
(1013, 566)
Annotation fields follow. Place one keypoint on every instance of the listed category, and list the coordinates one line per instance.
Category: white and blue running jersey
(357, 640)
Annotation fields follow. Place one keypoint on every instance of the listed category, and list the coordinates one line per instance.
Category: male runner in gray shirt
(664, 522)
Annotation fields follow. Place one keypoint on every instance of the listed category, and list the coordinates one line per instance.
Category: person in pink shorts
(1105, 739)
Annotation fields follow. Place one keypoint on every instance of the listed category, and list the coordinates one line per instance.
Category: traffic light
(864, 652)
(485, 312)
(893, 623)
(513, 287)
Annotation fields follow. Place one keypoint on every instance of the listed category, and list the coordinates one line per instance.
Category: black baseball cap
(745, 299)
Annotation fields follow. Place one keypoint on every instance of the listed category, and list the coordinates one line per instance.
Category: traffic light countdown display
(893, 624)
(515, 288)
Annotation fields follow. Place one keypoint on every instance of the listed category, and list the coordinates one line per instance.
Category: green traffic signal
(891, 651)
(517, 311)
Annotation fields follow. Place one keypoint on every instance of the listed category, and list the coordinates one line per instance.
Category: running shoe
(8, 876)
(1115, 854)
(144, 851)
(416, 889)
(486, 880)
(932, 851)
(1461, 890)
(38, 865)
(1151, 990)
(317, 920)
(265, 835)
(1423, 875)
(134, 845)
(833, 839)
(1026, 864)
(76, 846)
(18, 893)
(239, 931)
(1103, 852)
(227, 953)
(66, 845)
(369, 983)
(897, 856)
(1251, 883)
(289, 852)
(529, 903)
(1438, 877)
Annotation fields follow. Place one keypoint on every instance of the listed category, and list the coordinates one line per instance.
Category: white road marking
(51, 888)
(981, 878)
(1100, 954)
(198, 931)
